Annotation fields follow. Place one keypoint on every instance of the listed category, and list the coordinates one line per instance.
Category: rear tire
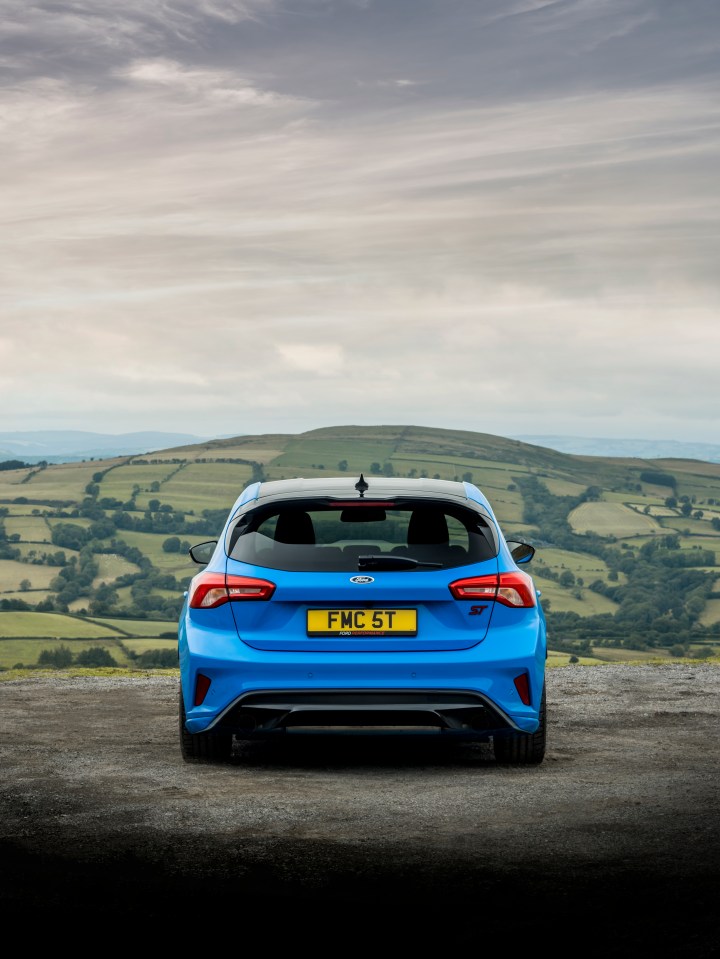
(212, 747)
(523, 748)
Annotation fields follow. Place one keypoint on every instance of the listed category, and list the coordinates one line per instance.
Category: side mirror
(202, 553)
(521, 552)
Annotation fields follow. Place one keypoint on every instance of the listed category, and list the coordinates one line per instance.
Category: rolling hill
(627, 547)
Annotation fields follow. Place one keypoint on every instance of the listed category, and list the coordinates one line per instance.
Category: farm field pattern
(626, 510)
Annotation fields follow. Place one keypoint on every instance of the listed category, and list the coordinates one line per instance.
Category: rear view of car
(380, 604)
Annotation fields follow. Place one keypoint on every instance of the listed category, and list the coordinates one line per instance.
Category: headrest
(294, 526)
(428, 527)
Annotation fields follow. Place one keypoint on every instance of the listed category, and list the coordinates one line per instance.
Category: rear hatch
(353, 577)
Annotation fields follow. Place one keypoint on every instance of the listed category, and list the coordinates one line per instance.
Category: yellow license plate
(362, 622)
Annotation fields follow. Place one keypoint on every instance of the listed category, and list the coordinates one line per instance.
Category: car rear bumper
(465, 692)
(263, 714)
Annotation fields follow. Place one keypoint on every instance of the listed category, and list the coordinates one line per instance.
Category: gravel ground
(610, 847)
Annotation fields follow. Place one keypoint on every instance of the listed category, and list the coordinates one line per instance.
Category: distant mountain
(642, 449)
(65, 446)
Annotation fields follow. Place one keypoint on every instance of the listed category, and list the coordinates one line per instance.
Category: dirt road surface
(611, 847)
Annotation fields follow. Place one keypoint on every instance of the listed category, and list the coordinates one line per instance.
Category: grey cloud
(262, 215)
(88, 37)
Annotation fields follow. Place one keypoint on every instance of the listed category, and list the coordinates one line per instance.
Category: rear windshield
(305, 537)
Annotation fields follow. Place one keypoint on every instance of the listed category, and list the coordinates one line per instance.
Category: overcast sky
(249, 216)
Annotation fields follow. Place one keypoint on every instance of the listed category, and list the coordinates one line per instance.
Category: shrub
(58, 658)
(95, 656)
(158, 659)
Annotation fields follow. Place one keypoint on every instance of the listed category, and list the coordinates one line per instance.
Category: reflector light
(523, 687)
(202, 684)
(208, 590)
(510, 589)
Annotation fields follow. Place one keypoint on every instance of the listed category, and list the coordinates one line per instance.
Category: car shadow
(353, 749)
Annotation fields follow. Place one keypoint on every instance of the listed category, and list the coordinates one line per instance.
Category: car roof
(346, 487)
(349, 487)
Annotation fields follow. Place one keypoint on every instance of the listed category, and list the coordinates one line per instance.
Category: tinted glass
(306, 537)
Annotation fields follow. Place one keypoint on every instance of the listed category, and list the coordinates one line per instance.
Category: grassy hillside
(627, 548)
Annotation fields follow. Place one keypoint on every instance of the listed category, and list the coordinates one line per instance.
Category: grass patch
(301, 453)
(564, 487)
(564, 600)
(111, 566)
(685, 524)
(200, 486)
(585, 565)
(123, 672)
(611, 519)
(614, 654)
(12, 485)
(143, 645)
(563, 659)
(19, 623)
(32, 529)
(13, 572)
(27, 651)
(150, 545)
(120, 481)
(30, 596)
(38, 550)
(138, 627)
(711, 614)
(63, 481)
(74, 520)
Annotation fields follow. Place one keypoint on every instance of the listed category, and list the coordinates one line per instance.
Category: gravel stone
(611, 847)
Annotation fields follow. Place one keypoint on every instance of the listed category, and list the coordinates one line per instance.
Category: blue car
(362, 605)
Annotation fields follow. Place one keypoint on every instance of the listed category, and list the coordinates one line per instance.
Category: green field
(563, 659)
(12, 485)
(13, 572)
(18, 624)
(563, 600)
(685, 524)
(143, 628)
(138, 646)
(64, 481)
(150, 544)
(611, 519)
(31, 529)
(110, 566)
(564, 487)
(30, 551)
(119, 482)
(32, 632)
(24, 509)
(655, 509)
(367, 447)
(509, 511)
(74, 520)
(200, 486)
(27, 651)
(711, 613)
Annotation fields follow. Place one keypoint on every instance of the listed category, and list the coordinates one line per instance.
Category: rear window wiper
(386, 562)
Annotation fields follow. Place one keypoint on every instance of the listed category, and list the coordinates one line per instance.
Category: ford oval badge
(362, 579)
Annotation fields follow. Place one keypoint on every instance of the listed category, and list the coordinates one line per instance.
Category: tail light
(510, 589)
(208, 590)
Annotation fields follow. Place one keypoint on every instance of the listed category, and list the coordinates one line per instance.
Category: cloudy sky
(248, 216)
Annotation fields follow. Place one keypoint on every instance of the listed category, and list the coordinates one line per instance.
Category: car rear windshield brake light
(209, 590)
(510, 589)
(363, 503)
